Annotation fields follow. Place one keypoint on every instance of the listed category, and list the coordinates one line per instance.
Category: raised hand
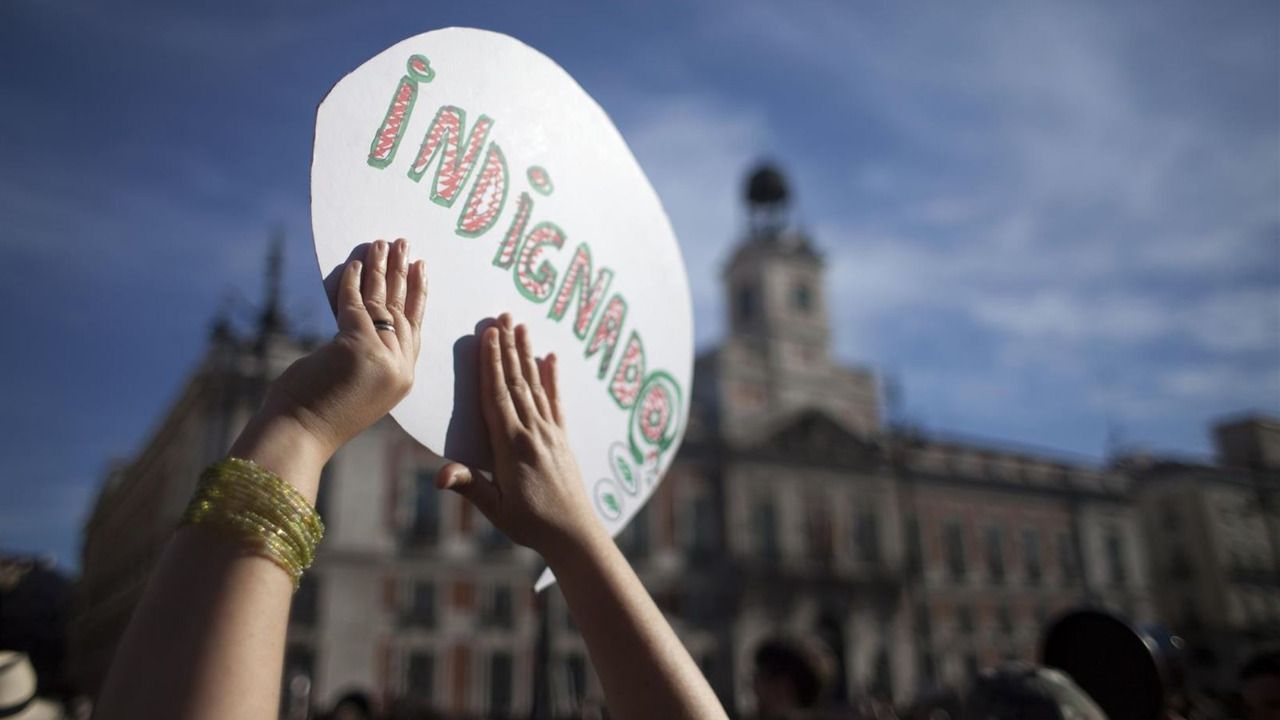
(536, 495)
(349, 383)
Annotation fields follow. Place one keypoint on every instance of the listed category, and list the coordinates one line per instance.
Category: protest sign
(522, 197)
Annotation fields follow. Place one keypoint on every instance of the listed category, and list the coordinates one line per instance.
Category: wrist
(284, 446)
(567, 549)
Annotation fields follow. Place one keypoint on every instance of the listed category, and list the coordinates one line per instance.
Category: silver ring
(387, 325)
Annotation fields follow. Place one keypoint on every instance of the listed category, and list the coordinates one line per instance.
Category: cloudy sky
(1048, 223)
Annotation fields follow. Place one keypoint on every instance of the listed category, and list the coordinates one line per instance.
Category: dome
(766, 186)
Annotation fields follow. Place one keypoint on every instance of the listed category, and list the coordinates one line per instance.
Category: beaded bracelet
(268, 514)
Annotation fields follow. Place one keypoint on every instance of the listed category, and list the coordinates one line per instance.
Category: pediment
(814, 437)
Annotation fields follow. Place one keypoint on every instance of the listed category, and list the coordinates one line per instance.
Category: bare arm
(645, 670)
(537, 499)
(207, 639)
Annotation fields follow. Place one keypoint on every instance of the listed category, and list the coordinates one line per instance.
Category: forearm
(207, 639)
(645, 670)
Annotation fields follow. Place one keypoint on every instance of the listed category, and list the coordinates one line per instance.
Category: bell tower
(775, 280)
(776, 362)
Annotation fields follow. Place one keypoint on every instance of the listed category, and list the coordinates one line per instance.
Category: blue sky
(1043, 220)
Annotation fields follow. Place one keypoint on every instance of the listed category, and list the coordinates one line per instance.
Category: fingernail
(357, 265)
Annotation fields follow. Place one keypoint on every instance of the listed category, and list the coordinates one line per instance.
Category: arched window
(801, 296)
(744, 302)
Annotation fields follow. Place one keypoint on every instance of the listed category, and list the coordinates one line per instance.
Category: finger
(352, 317)
(547, 370)
(517, 384)
(373, 285)
(333, 281)
(472, 485)
(397, 284)
(415, 303)
(495, 400)
(529, 365)
(397, 275)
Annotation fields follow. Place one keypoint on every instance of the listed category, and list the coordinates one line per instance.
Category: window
(819, 529)
(764, 526)
(745, 304)
(1172, 518)
(500, 683)
(634, 538)
(707, 663)
(419, 680)
(971, 667)
(422, 605)
(702, 521)
(497, 612)
(953, 538)
(928, 669)
(1042, 616)
(1031, 555)
(922, 620)
(1115, 558)
(424, 525)
(964, 620)
(995, 555)
(801, 297)
(1067, 559)
(306, 601)
(492, 539)
(915, 557)
(867, 538)
(1004, 617)
(322, 493)
(299, 659)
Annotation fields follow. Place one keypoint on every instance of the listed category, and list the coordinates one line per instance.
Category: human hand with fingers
(343, 387)
(536, 496)
(537, 499)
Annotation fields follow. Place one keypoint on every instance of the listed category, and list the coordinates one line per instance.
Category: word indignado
(652, 398)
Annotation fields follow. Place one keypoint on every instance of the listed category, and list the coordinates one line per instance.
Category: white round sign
(522, 197)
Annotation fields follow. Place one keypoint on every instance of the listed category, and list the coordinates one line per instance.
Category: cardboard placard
(522, 197)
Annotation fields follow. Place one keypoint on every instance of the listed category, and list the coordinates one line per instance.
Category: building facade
(1213, 533)
(791, 509)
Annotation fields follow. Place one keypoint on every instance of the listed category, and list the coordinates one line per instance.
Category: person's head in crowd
(18, 700)
(354, 706)
(1022, 691)
(1260, 687)
(790, 675)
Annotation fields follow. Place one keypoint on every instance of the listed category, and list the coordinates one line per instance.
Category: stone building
(1214, 547)
(790, 509)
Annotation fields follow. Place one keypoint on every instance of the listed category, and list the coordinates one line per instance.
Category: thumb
(472, 485)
